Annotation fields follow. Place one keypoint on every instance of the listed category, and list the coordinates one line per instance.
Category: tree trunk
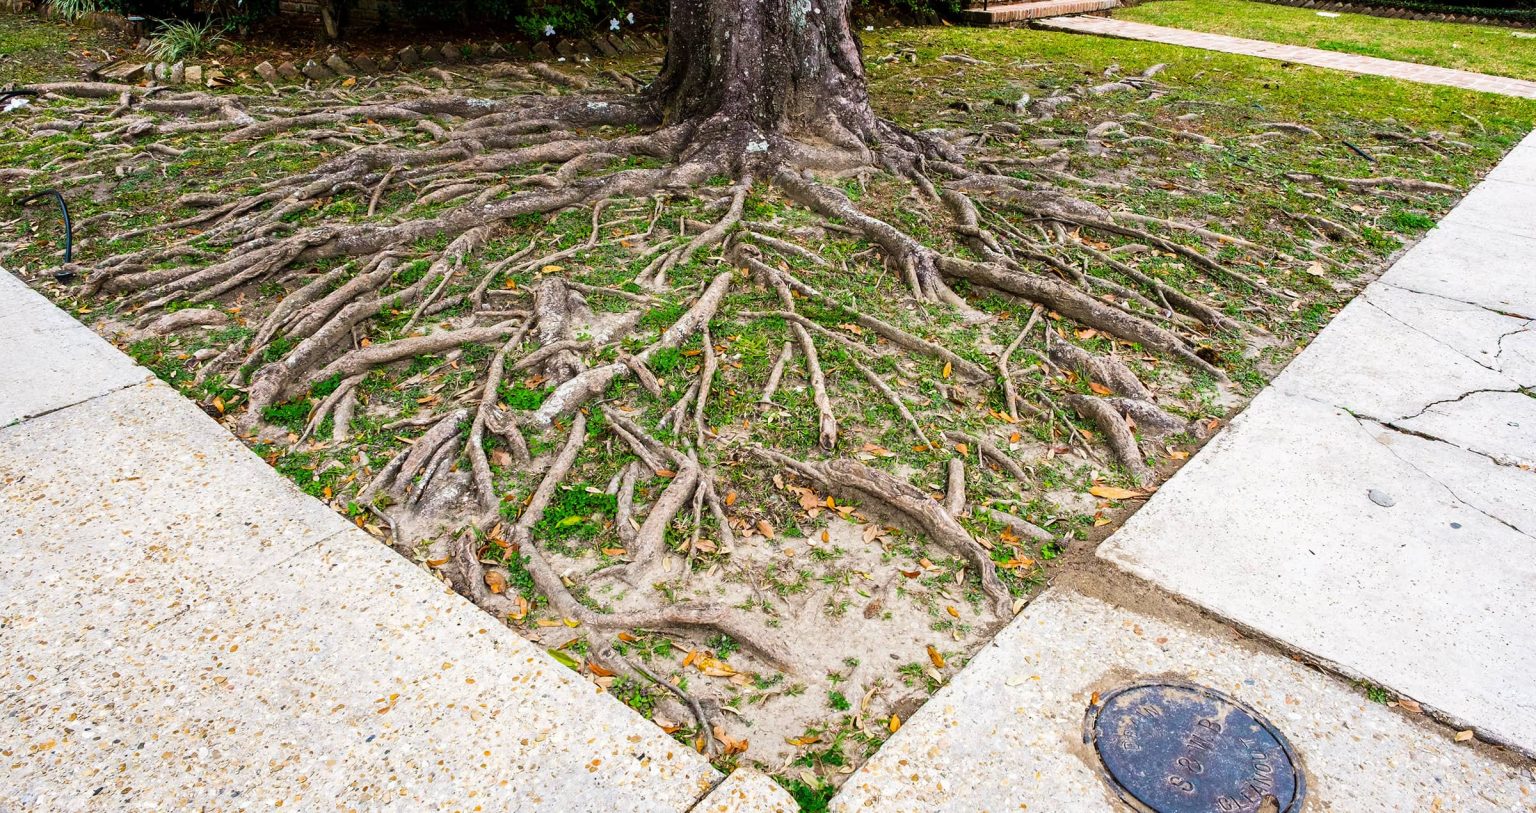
(757, 77)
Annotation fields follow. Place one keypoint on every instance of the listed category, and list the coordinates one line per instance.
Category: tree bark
(759, 77)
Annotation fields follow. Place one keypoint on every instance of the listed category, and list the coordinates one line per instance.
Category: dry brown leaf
(496, 581)
(598, 669)
(1464, 736)
(1409, 706)
(730, 498)
(765, 528)
(1099, 389)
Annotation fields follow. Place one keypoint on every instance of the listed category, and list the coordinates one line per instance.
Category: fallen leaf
(614, 551)
(552, 269)
(1409, 706)
(730, 498)
(952, 611)
(1463, 736)
(765, 528)
(496, 581)
(948, 369)
(598, 669)
(1099, 389)
(1114, 493)
(439, 562)
(936, 657)
(895, 724)
(808, 739)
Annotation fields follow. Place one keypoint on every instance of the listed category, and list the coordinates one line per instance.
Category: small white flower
(869, 28)
(549, 31)
(630, 17)
(613, 25)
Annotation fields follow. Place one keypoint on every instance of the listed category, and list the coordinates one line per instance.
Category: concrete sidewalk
(1374, 509)
(182, 629)
(1354, 63)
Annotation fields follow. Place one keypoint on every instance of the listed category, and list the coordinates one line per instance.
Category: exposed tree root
(426, 274)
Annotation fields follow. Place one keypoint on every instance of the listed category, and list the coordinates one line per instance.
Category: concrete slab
(1296, 522)
(747, 791)
(1493, 269)
(120, 513)
(1473, 331)
(1519, 166)
(1501, 425)
(1501, 491)
(342, 678)
(51, 360)
(1497, 205)
(1006, 734)
(1377, 357)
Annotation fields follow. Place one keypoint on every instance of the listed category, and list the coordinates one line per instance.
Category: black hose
(7, 94)
(69, 228)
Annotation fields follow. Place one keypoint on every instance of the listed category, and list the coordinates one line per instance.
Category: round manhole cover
(1182, 748)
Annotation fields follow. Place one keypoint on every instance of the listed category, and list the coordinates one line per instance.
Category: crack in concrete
(1418, 433)
(1517, 389)
(1360, 422)
(1510, 314)
(1366, 297)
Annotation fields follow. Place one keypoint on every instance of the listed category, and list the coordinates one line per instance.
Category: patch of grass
(1484, 49)
(575, 513)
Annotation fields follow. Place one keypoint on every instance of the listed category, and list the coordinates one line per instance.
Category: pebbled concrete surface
(52, 361)
(182, 629)
(1006, 734)
(747, 791)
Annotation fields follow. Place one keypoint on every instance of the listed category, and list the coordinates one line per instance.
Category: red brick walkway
(1125, 29)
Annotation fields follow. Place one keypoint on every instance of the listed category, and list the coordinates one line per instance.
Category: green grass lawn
(1484, 49)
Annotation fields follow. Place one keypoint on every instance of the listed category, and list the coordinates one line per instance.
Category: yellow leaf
(1098, 388)
(730, 498)
(895, 724)
(1113, 493)
(1463, 736)
(552, 269)
(614, 551)
(948, 369)
(809, 739)
(496, 581)
(936, 657)
(963, 449)
(521, 611)
(952, 611)
(1179, 455)
(439, 562)
(218, 403)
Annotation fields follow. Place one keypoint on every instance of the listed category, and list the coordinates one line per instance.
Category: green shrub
(178, 40)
